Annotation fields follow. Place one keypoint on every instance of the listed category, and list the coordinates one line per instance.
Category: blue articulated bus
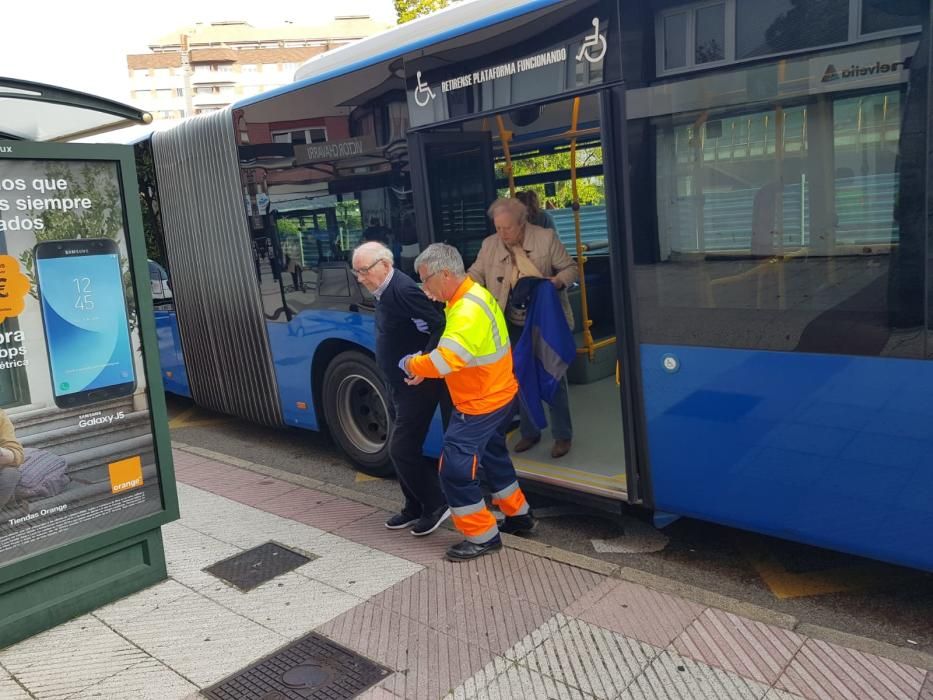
(744, 186)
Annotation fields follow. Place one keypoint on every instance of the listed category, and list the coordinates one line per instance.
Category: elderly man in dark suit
(406, 322)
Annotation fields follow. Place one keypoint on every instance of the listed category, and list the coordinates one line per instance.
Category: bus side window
(334, 281)
(158, 282)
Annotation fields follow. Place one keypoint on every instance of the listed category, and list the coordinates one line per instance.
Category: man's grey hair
(511, 206)
(440, 256)
(377, 250)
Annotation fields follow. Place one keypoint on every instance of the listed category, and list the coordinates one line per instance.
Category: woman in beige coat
(521, 249)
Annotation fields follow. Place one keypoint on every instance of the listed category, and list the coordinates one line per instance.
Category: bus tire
(356, 410)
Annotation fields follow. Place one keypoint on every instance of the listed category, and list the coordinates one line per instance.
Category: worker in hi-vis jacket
(474, 358)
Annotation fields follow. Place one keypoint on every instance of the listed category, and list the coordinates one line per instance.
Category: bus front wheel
(356, 408)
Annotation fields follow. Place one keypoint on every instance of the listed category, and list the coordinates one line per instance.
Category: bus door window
(777, 227)
(457, 181)
(327, 191)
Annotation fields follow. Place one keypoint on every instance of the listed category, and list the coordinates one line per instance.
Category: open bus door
(454, 182)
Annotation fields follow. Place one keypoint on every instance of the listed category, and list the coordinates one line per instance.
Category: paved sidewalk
(510, 625)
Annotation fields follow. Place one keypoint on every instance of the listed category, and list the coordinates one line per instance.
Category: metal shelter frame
(47, 117)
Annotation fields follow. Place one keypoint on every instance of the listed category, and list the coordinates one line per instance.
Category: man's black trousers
(412, 409)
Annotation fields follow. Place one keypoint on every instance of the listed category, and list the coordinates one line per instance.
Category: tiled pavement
(510, 625)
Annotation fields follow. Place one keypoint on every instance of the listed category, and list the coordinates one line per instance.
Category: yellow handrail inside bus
(589, 346)
(505, 136)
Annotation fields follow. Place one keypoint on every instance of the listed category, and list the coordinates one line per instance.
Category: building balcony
(213, 78)
(214, 55)
(213, 100)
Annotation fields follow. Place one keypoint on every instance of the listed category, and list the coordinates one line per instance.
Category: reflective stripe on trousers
(475, 522)
(511, 500)
(479, 439)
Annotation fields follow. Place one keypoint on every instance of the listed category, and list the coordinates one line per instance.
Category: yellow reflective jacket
(473, 355)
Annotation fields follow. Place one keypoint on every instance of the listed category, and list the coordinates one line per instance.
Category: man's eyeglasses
(360, 273)
(424, 280)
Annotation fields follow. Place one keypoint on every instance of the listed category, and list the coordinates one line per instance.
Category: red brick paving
(490, 569)
(255, 493)
(751, 649)
(442, 625)
(926, 693)
(825, 670)
(294, 502)
(429, 663)
(493, 619)
(636, 611)
(371, 531)
(428, 597)
(550, 584)
(334, 514)
(471, 611)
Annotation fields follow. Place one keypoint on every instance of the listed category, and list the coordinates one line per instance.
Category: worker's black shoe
(518, 524)
(470, 550)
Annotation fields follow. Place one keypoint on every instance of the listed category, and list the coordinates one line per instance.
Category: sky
(84, 46)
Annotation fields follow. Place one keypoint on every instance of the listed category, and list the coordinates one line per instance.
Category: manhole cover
(312, 667)
(257, 565)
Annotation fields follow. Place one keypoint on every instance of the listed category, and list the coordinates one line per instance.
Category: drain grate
(257, 565)
(312, 667)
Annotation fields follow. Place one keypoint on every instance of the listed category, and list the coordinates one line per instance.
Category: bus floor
(597, 458)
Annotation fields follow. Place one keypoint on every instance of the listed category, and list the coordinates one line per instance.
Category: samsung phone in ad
(84, 314)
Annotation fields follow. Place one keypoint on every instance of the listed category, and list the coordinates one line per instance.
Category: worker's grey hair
(512, 206)
(440, 256)
(377, 250)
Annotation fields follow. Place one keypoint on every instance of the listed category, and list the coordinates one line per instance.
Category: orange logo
(126, 474)
(14, 286)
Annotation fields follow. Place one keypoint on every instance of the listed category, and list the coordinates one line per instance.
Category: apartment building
(207, 66)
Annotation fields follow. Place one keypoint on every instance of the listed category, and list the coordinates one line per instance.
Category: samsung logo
(855, 71)
(83, 251)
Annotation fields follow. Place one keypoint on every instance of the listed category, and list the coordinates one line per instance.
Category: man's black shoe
(518, 524)
(400, 520)
(470, 550)
(429, 523)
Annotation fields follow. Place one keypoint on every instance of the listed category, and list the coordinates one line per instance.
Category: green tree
(290, 238)
(808, 24)
(349, 224)
(104, 219)
(589, 189)
(407, 10)
(149, 202)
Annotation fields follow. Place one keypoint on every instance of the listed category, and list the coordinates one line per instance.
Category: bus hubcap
(364, 416)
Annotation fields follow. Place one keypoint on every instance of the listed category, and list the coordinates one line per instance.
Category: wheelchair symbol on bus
(591, 40)
(423, 93)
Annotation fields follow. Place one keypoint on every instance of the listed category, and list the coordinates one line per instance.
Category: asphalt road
(850, 594)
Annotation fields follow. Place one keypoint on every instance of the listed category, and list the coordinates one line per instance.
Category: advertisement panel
(77, 455)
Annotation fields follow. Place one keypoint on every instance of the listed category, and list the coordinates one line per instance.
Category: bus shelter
(86, 478)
